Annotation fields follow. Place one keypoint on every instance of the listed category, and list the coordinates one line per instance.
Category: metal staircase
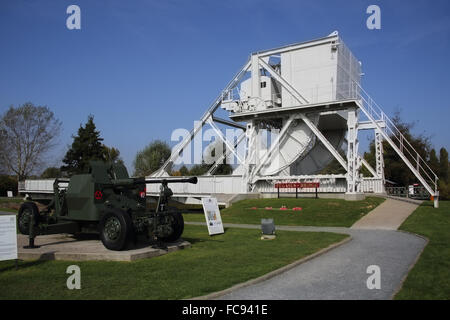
(396, 139)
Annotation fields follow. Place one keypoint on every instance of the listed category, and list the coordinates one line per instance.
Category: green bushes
(444, 190)
(7, 183)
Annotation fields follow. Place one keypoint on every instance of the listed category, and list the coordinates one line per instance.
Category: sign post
(296, 185)
(212, 216)
(8, 237)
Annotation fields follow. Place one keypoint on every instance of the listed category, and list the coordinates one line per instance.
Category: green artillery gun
(105, 201)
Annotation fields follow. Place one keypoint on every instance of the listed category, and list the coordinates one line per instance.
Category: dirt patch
(334, 204)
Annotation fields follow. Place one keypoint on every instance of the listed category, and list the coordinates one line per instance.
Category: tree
(184, 171)
(433, 162)
(7, 183)
(2, 168)
(27, 134)
(444, 186)
(86, 146)
(151, 158)
(51, 172)
(223, 169)
(112, 154)
(199, 169)
(443, 165)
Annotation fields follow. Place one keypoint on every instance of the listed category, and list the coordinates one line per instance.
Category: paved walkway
(341, 272)
(387, 216)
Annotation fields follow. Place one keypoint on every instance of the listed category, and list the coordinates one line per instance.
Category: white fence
(38, 186)
(372, 185)
(223, 185)
(205, 185)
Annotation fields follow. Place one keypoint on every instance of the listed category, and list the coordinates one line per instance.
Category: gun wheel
(177, 224)
(115, 230)
(23, 218)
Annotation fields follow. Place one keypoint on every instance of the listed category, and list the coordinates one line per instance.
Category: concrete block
(67, 247)
(354, 196)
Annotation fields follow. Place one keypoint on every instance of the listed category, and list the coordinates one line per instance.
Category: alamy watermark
(74, 280)
(74, 20)
(208, 145)
(374, 280)
(374, 20)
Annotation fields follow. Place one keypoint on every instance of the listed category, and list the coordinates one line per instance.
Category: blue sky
(144, 68)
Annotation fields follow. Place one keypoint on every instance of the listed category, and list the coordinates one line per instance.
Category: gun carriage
(108, 202)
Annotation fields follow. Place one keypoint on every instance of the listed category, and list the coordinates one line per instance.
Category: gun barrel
(192, 180)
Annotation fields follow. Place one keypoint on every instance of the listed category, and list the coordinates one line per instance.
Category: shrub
(7, 183)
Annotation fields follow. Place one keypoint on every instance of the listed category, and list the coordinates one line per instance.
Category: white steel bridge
(308, 97)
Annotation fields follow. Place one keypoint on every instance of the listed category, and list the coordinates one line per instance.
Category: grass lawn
(315, 212)
(10, 204)
(430, 277)
(7, 210)
(5, 199)
(211, 264)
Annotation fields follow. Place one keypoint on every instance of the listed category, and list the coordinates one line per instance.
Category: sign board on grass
(8, 237)
(9, 194)
(212, 216)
